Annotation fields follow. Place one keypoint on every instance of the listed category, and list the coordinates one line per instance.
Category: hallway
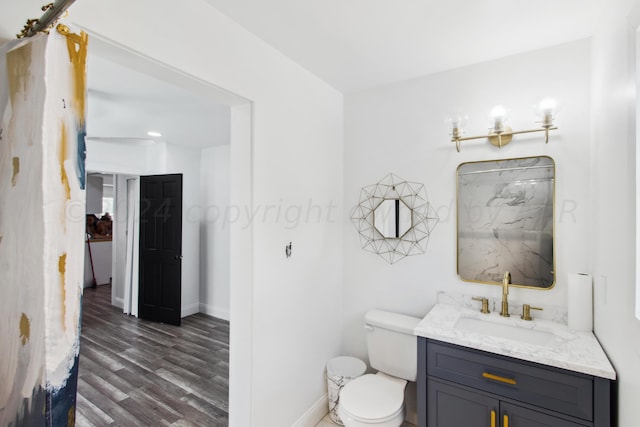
(134, 372)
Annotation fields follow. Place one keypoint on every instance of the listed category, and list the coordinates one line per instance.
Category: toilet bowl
(373, 399)
(378, 399)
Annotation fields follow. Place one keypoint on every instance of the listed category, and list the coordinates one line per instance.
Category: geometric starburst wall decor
(394, 218)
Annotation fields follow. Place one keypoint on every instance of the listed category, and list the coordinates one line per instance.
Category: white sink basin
(503, 330)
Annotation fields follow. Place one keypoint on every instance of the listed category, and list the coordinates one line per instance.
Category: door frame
(241, 233)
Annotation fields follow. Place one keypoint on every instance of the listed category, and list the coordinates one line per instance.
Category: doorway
(99, 229)
(122, 153)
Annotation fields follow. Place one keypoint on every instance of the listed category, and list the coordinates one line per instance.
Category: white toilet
(378, 399)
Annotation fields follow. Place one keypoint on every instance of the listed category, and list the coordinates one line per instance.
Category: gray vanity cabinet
(459, 387)
(456, 406)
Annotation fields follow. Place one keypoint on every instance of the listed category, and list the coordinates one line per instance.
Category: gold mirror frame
(505, 221)
(423, 218)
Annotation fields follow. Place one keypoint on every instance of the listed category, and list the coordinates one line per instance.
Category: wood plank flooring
(137, 373)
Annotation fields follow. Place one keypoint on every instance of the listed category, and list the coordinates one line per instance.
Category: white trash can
(341, 370)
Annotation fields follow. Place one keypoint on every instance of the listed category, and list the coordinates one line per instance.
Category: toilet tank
(391, 343)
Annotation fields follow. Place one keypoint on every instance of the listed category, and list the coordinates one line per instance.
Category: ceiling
(124, 104)
(359, 44)
(350, 44)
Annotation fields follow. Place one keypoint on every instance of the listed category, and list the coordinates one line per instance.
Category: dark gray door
(160, 248)
(450, 406)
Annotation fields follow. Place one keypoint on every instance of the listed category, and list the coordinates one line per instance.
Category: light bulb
(457, 122)
(547, 109)
(548, 105)
(498, 113)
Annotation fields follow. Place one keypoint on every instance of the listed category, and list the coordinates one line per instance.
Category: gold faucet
(506, 281)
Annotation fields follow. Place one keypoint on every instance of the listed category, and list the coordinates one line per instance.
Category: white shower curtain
(133, 235)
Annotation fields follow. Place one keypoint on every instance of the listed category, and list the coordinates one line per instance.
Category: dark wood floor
(136, 373)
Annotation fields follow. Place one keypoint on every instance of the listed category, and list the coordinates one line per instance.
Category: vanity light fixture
(500, 134)
(154, 133)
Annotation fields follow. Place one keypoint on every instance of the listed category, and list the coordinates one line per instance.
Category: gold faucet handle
(526, 311)
(485, 304)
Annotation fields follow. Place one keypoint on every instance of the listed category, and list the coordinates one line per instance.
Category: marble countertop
(568, 349)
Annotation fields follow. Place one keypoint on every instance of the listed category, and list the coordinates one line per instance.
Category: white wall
(186, 161)
(612, 245)
(159, 158)
(215, 231)
(101, 253)
(127, 158)
(292, 307)
(94, 194)
(401, 129)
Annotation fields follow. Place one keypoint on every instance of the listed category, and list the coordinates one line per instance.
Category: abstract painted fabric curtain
(42, 204)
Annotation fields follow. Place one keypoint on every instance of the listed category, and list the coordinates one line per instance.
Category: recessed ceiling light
(154, 133)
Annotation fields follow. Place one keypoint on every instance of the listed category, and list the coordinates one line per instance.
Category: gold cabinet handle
(493, 418)
(499, 378)
(505, 420)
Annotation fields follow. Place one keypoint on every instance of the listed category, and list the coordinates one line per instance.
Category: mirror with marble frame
(505, 212)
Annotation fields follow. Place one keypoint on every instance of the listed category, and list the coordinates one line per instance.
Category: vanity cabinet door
(522, 417)
(451, 406)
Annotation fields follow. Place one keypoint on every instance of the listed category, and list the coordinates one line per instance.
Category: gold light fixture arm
(501, 139)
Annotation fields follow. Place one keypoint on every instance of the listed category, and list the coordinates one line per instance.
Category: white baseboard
(314, 414)
(188, 310)
(220, 313)
(119, 302)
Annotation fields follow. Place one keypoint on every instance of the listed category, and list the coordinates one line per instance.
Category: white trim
(634, 23)
(637, 168)
(132, 246)
(241, 358)
(241, 393)
(188, 310)
(314, 414)
(118, 302)
(212, 310)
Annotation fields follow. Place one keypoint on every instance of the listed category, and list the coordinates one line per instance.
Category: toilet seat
(373, 399)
